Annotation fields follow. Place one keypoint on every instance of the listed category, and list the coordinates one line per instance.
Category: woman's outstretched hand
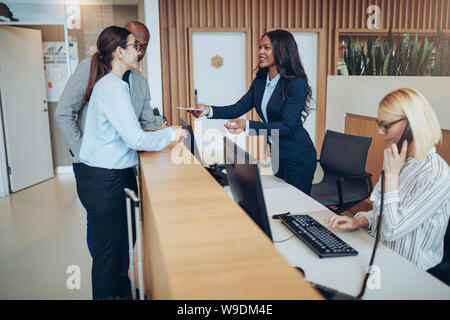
(236, 126)
(203, 110)
(180, 133)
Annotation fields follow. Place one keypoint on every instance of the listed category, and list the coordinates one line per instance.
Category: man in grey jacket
(71, 112)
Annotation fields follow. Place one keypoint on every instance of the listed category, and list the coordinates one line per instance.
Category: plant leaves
(404, 54)
(386, 63)
(424, 56)
(413, 57)
(408, 58)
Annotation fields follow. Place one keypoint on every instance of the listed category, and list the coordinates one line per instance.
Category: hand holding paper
(198, 111)
(236, 126)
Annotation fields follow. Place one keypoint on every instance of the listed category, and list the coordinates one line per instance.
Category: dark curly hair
(288, 63)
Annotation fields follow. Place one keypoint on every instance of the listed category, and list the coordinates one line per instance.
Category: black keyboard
(321, 240)
(216, 171)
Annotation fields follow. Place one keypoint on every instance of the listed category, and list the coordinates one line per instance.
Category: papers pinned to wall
(55, 65)
(73, 56)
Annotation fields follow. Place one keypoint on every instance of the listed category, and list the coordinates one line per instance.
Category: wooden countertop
(199, 244)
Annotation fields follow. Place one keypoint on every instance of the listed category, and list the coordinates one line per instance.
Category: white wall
(224, 85)
(307, 47)
(4, 189)
(153, 55)
(361, 95)
(37, 12)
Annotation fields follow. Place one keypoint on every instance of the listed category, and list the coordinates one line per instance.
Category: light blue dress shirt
(112, 133)
(268, 91)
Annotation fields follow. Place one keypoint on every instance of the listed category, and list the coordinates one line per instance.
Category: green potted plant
(382, 58)
(442, 56)
(385, 64)
(158, 116)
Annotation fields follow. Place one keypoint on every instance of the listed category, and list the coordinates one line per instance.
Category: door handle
(45, 110)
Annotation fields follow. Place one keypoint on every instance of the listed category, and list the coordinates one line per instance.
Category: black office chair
(442, 270)
(345, 182)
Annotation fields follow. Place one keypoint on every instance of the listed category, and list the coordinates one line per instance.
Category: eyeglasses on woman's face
(385, 126)
(136, 45)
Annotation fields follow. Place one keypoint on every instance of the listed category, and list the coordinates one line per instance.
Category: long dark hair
(107, 42)
(288, 62)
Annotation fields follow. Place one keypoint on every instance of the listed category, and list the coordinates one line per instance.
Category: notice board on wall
(55, 65)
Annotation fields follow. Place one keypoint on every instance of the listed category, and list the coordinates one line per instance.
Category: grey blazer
(70, 114)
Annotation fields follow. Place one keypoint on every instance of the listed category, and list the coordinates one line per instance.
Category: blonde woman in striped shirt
(417, 183)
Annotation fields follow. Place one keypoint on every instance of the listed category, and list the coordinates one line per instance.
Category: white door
(307, 47)
(219, 63)
(24, 107)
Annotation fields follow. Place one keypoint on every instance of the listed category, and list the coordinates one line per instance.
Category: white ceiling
(117, 2)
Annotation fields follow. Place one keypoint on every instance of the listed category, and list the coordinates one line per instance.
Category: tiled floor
(42, 233)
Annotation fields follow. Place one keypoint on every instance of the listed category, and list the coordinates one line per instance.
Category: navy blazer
(283, 114)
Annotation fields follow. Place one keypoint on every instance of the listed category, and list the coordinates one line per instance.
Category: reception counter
(199, 244)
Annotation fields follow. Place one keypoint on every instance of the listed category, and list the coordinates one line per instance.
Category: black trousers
(442, 272)
(298, 172)
(101, 193)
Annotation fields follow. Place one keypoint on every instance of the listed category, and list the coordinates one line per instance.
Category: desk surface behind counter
(199, 244)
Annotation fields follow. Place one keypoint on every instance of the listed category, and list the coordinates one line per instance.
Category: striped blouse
(415, 216)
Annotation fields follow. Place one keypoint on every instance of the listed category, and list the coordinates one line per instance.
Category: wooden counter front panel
(199, 244)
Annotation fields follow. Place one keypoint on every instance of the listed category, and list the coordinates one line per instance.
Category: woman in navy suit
(281, 95)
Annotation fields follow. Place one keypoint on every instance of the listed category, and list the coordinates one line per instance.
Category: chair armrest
(365, 175)
(339, 182)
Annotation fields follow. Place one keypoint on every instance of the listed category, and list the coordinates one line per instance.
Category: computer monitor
(189, 142)
(245, 184)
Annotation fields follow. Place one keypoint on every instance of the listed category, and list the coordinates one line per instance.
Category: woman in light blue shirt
(108, 154)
